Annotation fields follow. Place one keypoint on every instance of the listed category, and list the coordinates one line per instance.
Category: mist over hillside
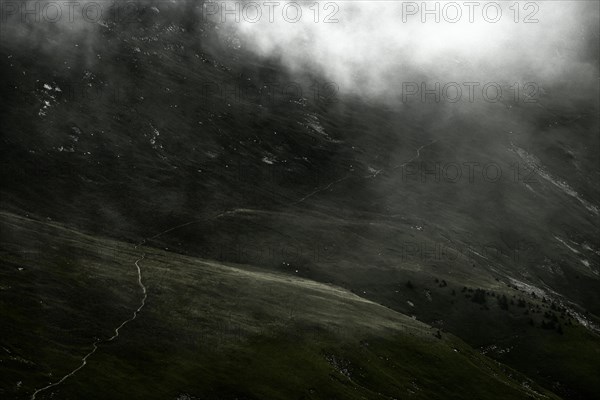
(299, 200)
(370, 48)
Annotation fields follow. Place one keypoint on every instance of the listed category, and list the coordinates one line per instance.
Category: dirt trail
(98, 342)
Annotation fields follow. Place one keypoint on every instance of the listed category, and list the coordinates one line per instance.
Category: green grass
(214, 331)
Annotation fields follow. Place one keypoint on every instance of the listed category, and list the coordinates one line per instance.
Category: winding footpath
(98, 342)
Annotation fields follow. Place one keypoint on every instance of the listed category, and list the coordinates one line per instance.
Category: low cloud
(370, 48)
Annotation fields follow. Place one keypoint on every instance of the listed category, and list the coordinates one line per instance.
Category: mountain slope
(210, 330)
(145, 129)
